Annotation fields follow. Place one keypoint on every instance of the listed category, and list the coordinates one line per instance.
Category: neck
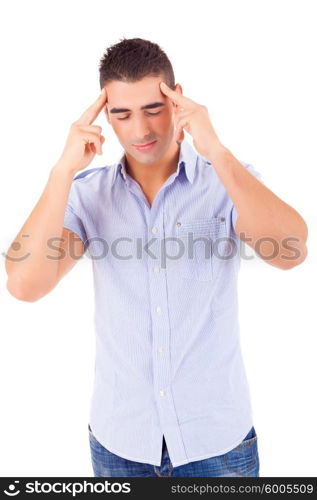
(154, 174)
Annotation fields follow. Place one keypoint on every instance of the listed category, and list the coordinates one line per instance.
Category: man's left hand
(194, 118)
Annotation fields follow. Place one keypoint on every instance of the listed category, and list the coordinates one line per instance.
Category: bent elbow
(19, 293)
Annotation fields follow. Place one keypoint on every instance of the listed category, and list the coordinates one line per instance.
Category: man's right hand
(84, 139)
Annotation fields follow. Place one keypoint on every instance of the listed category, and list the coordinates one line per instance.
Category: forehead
(136, 94)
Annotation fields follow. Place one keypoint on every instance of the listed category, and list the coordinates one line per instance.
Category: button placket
(160, 320)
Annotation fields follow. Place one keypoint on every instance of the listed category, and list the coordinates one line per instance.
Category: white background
(253, 64)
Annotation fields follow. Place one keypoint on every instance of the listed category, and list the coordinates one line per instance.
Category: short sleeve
(258, 175)
(74, 223)
(72, 218)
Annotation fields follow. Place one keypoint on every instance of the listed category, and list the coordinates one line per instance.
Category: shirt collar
(187, 159)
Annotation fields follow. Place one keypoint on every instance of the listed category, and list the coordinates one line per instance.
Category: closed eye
(150, 114)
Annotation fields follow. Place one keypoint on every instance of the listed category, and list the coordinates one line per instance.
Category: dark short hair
(132, 59)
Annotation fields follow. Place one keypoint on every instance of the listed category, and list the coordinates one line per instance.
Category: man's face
(136, 126)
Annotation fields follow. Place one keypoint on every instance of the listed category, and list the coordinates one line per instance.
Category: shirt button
(162, 393)
(154, 229)
(160, 349)
(156, 269)
(158, 309)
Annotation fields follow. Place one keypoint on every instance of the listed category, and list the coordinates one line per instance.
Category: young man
(162, 226)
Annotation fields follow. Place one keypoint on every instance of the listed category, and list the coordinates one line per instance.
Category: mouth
(145, 147)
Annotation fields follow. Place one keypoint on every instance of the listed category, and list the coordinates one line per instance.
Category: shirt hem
(183, 462)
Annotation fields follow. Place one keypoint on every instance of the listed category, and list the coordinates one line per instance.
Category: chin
(148, 160)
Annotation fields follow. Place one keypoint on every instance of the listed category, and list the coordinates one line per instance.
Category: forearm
(29, 268)
(262, 214)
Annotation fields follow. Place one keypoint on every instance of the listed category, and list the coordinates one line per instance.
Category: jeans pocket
(243, 457)
(199, 258)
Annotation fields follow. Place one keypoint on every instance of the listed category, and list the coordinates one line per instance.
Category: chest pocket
(200, 257)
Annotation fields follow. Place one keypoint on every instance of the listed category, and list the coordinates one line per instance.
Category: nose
(141, 130)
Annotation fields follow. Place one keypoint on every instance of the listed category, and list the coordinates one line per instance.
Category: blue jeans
(241, 461)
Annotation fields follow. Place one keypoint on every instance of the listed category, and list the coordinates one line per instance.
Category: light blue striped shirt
(168, 358)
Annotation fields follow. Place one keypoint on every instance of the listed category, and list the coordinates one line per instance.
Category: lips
(144, 147)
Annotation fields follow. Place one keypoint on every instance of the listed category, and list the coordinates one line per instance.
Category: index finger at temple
(89, 116)
(176, 97)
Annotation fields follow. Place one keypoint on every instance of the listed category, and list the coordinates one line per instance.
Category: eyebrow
(147, 106)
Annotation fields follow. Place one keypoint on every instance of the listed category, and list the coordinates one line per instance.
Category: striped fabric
(168, 357)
